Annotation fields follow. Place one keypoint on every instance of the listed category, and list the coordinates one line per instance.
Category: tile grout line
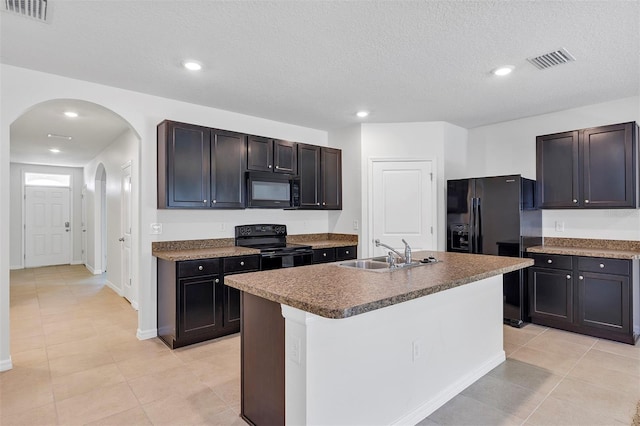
(560, 381)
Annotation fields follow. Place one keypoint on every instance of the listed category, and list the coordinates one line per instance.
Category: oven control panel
(261, 230)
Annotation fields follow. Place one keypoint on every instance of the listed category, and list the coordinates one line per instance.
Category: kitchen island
(327, 344)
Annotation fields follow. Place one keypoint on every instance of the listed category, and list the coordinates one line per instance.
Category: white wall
(427, 141)
(22, 88)
(16, 245)
(348, 139)
(120, 152)
(509, 148)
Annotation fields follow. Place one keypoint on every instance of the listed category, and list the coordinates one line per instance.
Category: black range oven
(271, 240)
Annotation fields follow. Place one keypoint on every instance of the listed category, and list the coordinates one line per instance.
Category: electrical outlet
(559, 226)
(223, 226)
(416, 350)
(356, 225)
(155, 228)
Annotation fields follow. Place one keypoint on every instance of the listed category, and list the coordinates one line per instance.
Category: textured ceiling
(315, 63)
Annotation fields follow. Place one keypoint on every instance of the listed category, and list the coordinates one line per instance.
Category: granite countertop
(333, 291)
(612, 249)
(225, 247)
(321, 241)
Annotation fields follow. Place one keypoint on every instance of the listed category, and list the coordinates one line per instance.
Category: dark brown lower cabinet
(333, 254)
(594, 296)
(193, 303)
(262, 361)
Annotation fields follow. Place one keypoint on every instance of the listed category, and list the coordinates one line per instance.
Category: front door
(47, 226)
(403, 205)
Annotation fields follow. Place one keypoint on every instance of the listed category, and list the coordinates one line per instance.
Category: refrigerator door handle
(478, 230)
(472, 225)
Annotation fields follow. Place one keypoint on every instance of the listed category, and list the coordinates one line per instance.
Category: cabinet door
(285, 157)
(557, 158)
(228, 154)
(609, 166)
(603, 301)
(259, 154)
(309, 171)
(331, 182)
(199, 312)
(183, 166)
(551, 294)
(324, 255)
(231, 309)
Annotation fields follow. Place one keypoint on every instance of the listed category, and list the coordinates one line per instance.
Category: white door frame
(367, 238)
(126, 208)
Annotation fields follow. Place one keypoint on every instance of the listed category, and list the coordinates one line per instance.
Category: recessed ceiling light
(54, 136)
(362, 114)
(192, 65)
(71, 114)
(503, 70)
(54, 150)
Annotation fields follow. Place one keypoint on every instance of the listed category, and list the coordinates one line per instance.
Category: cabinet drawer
(194, 268)
(241, 264)
(555, 261)
(604, 266)
(324, 255)
(345, 253)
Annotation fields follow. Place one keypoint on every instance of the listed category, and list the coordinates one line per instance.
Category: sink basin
(379, 259)
(365, 264)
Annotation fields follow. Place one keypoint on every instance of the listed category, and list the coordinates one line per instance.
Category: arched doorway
(96, 141)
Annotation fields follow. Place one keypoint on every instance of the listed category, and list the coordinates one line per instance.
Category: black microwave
(272, 190)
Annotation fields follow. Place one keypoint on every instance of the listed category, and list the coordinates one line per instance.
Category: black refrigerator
(499, 216)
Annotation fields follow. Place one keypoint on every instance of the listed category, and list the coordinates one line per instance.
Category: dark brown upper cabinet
(199, 167)
(320, 171)
(271, 155)
(588, 168)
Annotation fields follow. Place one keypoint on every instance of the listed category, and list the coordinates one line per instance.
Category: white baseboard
(13, 267)
(6, 364)
(451, 391)
(77, 262)
(147, 334)
(134, 305)
(113, 287)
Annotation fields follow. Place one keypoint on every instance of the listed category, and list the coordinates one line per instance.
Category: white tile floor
(77, 361)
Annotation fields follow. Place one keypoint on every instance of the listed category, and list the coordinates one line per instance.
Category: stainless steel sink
(377, 264)
(365, 264)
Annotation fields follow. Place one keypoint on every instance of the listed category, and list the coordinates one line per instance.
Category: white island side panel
(367, 370)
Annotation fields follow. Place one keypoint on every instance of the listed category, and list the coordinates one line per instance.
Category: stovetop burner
(269, 239)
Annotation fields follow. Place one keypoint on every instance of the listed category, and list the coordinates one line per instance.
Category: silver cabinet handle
(586, 201)
(204, 201)
(278, 167)
(568, 277)
(241, 263)
(317, 204)
(581, 278)
(217, 280)
(214, 201)
(602, 266)
(347, 251)
(269, 166)
(324, 254)
(549, 261)
(575, 201)
(200, 268)
(324, 204)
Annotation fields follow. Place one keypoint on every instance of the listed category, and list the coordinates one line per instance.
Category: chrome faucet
(406, 259)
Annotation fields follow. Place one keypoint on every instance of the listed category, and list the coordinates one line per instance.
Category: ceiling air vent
(551, 59)
(34, 9)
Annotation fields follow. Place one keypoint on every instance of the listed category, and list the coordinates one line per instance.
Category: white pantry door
(403, 205)
(125, 232)
(47, 226)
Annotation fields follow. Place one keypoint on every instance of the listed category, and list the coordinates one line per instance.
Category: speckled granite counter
(198, 249)
(613, 249)
(320, 241)
(333, 291)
